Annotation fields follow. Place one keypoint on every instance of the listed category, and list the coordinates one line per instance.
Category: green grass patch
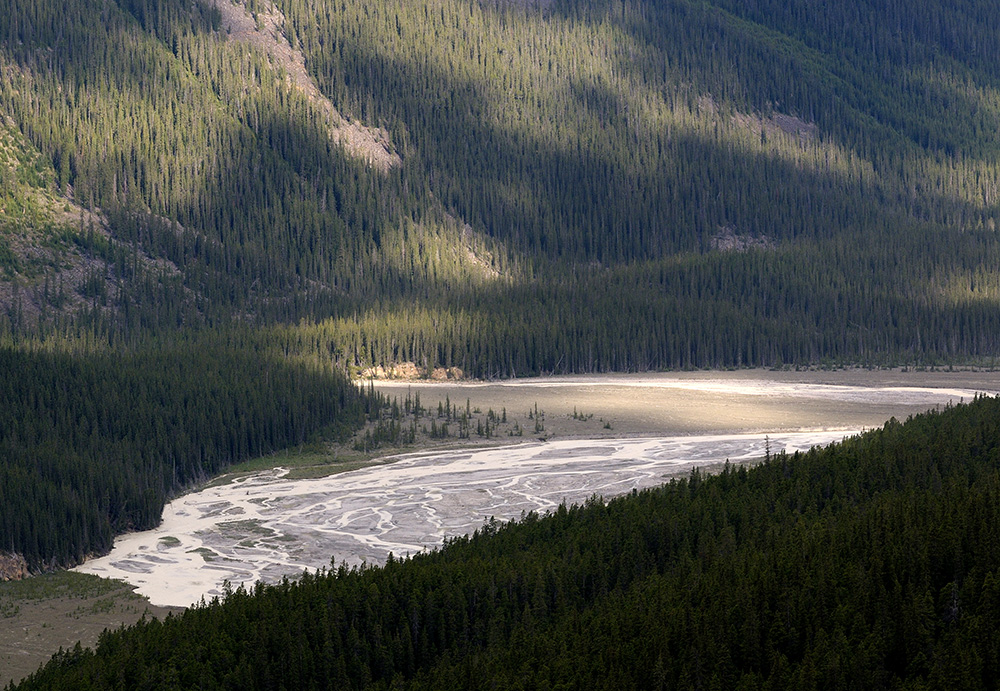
(60, 584)
(206, 554)
(244, 527)
(306, 462)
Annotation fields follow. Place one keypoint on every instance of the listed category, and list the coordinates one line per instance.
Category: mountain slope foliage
(211, 211)
(693, 184)
(871, 563)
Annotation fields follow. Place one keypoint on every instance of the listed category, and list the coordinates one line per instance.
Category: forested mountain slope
(869, 564)
(302, 188)
(555, 186)
(45, 265)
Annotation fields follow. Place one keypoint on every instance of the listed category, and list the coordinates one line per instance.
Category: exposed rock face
(728, 240)
(264, 30)
(404, 370)
(13, 567)
(373, 373)
(409, 370)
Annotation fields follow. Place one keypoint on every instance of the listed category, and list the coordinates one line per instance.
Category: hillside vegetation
(213, 212)
(631, 185)
(869, 564)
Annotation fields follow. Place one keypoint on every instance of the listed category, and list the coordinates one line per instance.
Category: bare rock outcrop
(409, 370)
(13, 567)
(728, 240)
(405, 370)
(264, 31)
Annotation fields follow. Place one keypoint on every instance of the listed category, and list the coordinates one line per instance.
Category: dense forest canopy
(92, 444)
(869, 564)
(735, 183)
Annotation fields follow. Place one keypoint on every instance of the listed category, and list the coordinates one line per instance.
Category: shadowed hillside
(766, 185)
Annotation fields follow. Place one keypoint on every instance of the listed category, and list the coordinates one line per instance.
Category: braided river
(264, 526)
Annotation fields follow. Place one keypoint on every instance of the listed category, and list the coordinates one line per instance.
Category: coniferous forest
(868, 564)
(509, 187)
(213, 213)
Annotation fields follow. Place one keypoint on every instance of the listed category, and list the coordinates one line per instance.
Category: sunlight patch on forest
(966, 175)
(590, 85)
(536, 84)
(542, 87)
(980, 286)
(445, 252)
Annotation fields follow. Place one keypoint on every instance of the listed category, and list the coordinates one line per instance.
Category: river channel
(266, 527)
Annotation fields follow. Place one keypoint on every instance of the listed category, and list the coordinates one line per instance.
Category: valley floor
(700, 402)
(559, 410)
(41, 614)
